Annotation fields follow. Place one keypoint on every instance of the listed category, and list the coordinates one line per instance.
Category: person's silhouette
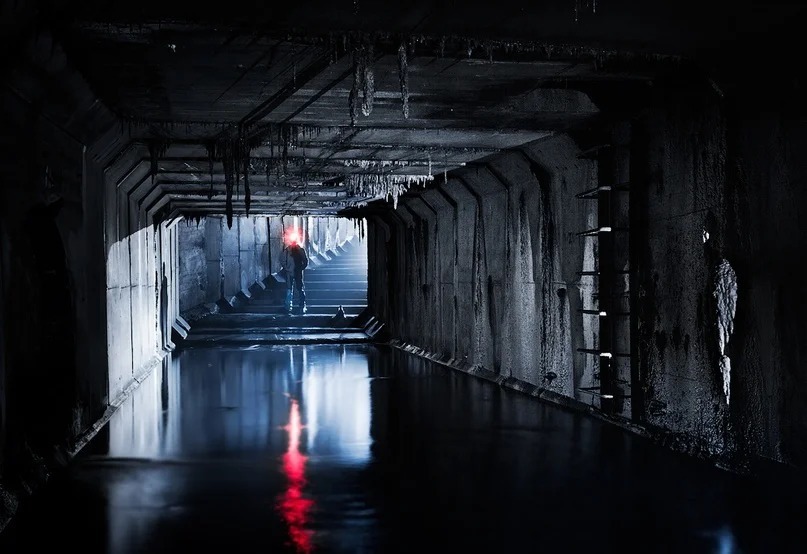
(293, 261)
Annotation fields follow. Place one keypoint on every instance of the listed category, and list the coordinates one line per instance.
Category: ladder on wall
(610, 303)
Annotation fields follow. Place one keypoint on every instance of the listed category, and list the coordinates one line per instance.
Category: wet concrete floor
(359, 449)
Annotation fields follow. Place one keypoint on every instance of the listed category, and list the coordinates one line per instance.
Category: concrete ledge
(256, 288)
(84, 439)
(178, 332)
(183, 323)
(198, 312)
(316, 260)
(39, 470)
(241, 298)
(224, 305)
(274, 279)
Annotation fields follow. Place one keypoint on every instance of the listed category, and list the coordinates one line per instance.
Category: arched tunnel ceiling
(214, 95)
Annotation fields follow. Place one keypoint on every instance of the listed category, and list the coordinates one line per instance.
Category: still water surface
(364, 449)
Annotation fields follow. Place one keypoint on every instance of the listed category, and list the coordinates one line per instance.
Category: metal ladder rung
(603, 353)
(603, 313)
(596, 273)
(594, 391)
(591, 194)
(598, 230)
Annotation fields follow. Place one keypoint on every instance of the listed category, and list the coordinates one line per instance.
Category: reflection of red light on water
(293, 506)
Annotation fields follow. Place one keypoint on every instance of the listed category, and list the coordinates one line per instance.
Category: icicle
(403, 77)
(211, 156)
(442, 47)
(227, 160)
(247, 191)
(353, 98)
(368, 82)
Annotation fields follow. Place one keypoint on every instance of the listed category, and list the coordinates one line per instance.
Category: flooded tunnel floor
(355, 448)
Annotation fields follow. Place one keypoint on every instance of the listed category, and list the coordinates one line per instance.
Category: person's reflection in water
(293, 506)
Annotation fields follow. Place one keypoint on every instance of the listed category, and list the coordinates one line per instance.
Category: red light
(295, 508)
(292, 236)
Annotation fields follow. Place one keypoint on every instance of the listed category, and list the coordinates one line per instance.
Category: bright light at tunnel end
(292, 236)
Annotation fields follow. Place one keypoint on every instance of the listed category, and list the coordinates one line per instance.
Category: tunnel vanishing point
(600, 204)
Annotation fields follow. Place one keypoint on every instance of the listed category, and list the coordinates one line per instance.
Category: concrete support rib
(444, 265)
(464, 209)
(430, 294)
(516, 262)
(451, 273)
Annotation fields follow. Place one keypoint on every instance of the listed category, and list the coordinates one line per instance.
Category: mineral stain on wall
(726, 295)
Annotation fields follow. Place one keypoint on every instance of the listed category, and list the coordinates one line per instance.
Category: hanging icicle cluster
(403, 77)
(360, 225)
(389, 187)
(211, 160)
(362, 93)
(234, 154)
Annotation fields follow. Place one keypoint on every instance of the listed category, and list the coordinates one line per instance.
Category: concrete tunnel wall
(219, 263)
(53, 364)
(481, 272)
(88, 272)
(721, 321)
(483, 269)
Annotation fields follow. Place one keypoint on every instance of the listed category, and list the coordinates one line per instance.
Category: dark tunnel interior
(357, 276)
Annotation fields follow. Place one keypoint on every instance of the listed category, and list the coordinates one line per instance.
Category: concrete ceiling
(195, 88)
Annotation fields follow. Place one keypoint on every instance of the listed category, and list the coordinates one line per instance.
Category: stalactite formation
(369, 83)
(360, 225)
(362, 92)
(226, 154)
(403, 77)
(353, 98)
(389, 187)
(211, 160)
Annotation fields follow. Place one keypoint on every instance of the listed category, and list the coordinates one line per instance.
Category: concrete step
(239, 320)
(325, 310)
(322, 283)
(207, 339)
(336, 297)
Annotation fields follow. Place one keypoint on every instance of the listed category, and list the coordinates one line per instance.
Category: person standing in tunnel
(294, 261)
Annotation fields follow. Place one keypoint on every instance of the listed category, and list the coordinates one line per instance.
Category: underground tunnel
(362, 277)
